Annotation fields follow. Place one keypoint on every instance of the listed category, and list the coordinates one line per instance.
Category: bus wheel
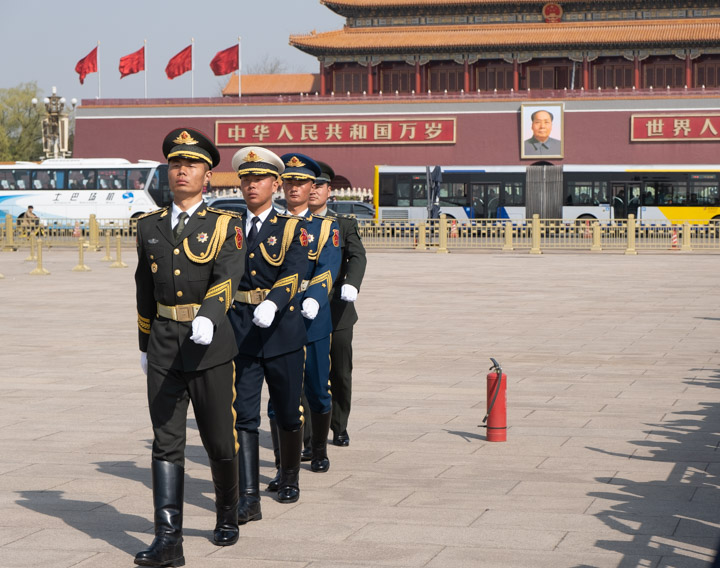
(585, 220)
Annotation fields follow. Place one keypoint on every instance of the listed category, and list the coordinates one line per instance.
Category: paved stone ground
(612, 454)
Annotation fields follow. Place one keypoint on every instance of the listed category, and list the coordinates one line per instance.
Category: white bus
(75, 188)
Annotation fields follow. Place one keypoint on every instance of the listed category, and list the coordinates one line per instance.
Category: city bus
(666, 194)
(73, 188)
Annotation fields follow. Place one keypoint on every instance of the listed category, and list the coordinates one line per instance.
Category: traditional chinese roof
(423, 39)
(343, 6)
(273, 84)
(225, 179)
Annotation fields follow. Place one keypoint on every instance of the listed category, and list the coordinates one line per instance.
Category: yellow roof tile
(273, 84)
(682, 32)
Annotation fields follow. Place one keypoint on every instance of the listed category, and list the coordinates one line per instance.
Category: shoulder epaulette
(153, 212)
(291, 216)
(316, 216)
(225, 212)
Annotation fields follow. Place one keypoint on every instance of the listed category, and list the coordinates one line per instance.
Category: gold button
(152, 257)
(252, 255)
(253, 273)
(292, 308)
(179, 293)
(177, 272)
(176, 251)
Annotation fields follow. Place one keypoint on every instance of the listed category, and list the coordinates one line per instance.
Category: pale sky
(42, 41)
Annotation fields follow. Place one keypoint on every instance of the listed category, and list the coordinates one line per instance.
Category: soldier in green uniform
(190, 261)
(342, 304)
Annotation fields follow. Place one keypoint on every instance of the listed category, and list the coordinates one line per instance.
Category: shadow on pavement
(673, 521)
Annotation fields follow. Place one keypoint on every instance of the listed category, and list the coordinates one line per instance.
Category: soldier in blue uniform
(324, 257)
(342, 304)
(190, 261)
(269, 328)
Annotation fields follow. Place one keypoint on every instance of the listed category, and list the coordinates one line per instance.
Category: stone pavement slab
(611, 460)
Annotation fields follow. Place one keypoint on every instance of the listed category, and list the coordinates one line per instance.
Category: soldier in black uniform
(269, 328)
(342, 305)
(190, 261)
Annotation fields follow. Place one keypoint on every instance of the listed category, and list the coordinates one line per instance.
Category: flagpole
(239, 66)
(145, 63)
(98, 67)
(192, 67)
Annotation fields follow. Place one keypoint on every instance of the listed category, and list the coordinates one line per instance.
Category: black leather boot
(225, 479)
(306, 454)
(320, 430)
(168, 484)
(290, 448)
(273, 485)
(249, 455)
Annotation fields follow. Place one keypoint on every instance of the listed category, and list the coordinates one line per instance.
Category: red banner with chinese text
(675, 127)
(328, 132)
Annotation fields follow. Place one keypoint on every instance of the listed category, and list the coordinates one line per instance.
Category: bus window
(22, 179)
(702, 194)
(404, 187)
(664, 194)
(159, 188)
(112, 179)
(419, 197)
(45, 179)
(648, 197)
(680, 193)
(387, 190)
(513, 194)
(453, 195)
(579, 193)
(82, 179)
(7, 181)
(137, 178)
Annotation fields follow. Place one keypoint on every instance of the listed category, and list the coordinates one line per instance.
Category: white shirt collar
(263, 217)
(176, 211)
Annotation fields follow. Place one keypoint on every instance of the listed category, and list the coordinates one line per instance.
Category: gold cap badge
(295, 163)
(252, 157)
(185, 138)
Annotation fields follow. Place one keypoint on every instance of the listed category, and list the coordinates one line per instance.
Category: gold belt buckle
(184, 312)
(256, 296)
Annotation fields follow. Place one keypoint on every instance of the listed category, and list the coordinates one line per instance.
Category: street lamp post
(56, 126)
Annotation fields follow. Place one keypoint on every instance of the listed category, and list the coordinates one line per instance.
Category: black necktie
(180, 224)
(253, 232)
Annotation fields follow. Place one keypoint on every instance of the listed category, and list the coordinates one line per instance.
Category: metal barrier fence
(441, 235)
(536, 235)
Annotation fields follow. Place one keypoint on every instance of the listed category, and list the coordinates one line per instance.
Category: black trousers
(212, 392)
(284, 377)
(341, 377)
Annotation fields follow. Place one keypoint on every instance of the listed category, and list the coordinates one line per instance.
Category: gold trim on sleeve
(292, 281)
(223, 289)
(144, 324)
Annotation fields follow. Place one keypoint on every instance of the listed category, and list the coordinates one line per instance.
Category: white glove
(310, 308)
(202, 329)
(143, 361)
(264, 314)
(348, 293)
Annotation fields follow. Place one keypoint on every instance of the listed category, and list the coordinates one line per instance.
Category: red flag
(133, 63)
(179, 64)
(87, 65)
(225, 61)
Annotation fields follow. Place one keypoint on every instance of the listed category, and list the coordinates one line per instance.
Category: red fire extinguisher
(496, 416)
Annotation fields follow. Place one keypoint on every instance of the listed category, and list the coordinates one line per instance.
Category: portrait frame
(530, 149)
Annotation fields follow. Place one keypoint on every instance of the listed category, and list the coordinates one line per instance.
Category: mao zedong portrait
(540, 143)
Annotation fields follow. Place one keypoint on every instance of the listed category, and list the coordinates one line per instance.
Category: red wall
(493, 138)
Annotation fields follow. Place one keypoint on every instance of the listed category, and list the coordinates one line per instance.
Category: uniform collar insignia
(164, 213)
(153, 241)
(274, 220)
(202, 213)
(185, 138)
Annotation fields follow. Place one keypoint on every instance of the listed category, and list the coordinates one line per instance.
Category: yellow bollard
(107, 257)
(535, 247)
(33, 247)
(508, 236)
(631, 235)
(686, 237)
(39, 270)
(94, 233)
(118, 261)
(421, 242)
(9, 234)
(443, 234)
(81, 266)
(596, 244)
